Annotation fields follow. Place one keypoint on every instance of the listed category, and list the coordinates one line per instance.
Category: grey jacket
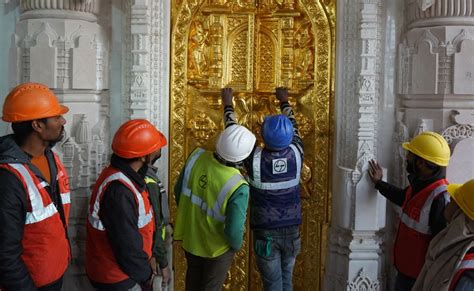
(445, 253)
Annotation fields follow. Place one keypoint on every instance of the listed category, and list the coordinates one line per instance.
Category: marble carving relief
(435, 71)
(355, 260)
(439, 38)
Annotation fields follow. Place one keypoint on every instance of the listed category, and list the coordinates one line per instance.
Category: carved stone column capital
(441, 12)
(66, 9)
(435, 70)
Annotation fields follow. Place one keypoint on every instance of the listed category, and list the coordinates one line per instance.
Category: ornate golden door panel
(254, 46)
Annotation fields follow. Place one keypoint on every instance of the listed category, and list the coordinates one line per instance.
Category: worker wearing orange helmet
(121, 225)
(35, 195)
(423, 203)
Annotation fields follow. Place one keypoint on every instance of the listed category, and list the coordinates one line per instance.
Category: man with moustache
(423, 203)
(34, 192)
(121, 225)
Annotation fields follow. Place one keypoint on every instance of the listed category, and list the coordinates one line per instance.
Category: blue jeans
(275, 253)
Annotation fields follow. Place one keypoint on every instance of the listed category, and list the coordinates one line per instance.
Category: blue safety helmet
(277, 131)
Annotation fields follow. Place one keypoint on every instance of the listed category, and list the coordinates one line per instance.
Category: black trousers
(205, 274)
(404, 283)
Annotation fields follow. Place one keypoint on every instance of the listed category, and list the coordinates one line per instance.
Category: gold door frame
(314, 114)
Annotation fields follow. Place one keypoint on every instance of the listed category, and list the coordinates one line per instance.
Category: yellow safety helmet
(463, 194)
(430, 146)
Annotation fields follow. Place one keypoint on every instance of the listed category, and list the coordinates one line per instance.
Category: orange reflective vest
(101, 266)
(46, 251)
(467, 263)
(414, 232)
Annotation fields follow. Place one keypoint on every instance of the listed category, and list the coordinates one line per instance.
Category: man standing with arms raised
(275, 206)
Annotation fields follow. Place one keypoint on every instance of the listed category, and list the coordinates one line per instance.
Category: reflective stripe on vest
(466, 264)
(165, 212)
(38, 212)
(422, 224)
(256, 179)
(143, 218)
(65, 197)
(215, 210)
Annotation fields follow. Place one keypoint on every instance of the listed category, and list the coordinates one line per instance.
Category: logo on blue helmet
(277, 131)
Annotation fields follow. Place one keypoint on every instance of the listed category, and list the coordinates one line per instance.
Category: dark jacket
(119, 216)
(397, 196)
(158, 197)
(273, 209)
(13, 202)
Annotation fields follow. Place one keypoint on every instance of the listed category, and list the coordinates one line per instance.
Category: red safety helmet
(30, 101)
(137, 138)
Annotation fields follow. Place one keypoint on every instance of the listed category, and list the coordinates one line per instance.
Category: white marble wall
(436, 65)
(10, 15)
(436, 77)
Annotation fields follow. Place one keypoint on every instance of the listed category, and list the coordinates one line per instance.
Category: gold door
(254, 46)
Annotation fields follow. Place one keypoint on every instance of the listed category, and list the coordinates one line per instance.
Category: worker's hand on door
(226, 95)
(282, 94)
(375, 171)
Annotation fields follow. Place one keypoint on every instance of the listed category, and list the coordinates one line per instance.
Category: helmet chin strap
(227, 163)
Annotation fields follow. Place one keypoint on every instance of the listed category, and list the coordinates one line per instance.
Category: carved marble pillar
(61, 44)
(436, 72)
(146, 74)
(140, 60)
(355, 254)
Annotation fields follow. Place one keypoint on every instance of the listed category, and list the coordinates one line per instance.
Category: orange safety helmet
(137, 138)
(30, 101)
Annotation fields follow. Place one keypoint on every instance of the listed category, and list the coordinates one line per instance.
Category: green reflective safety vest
(206, 188)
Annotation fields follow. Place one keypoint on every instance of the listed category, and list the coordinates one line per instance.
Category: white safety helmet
(235, 143)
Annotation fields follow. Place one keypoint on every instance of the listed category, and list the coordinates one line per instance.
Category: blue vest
(274, 178)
